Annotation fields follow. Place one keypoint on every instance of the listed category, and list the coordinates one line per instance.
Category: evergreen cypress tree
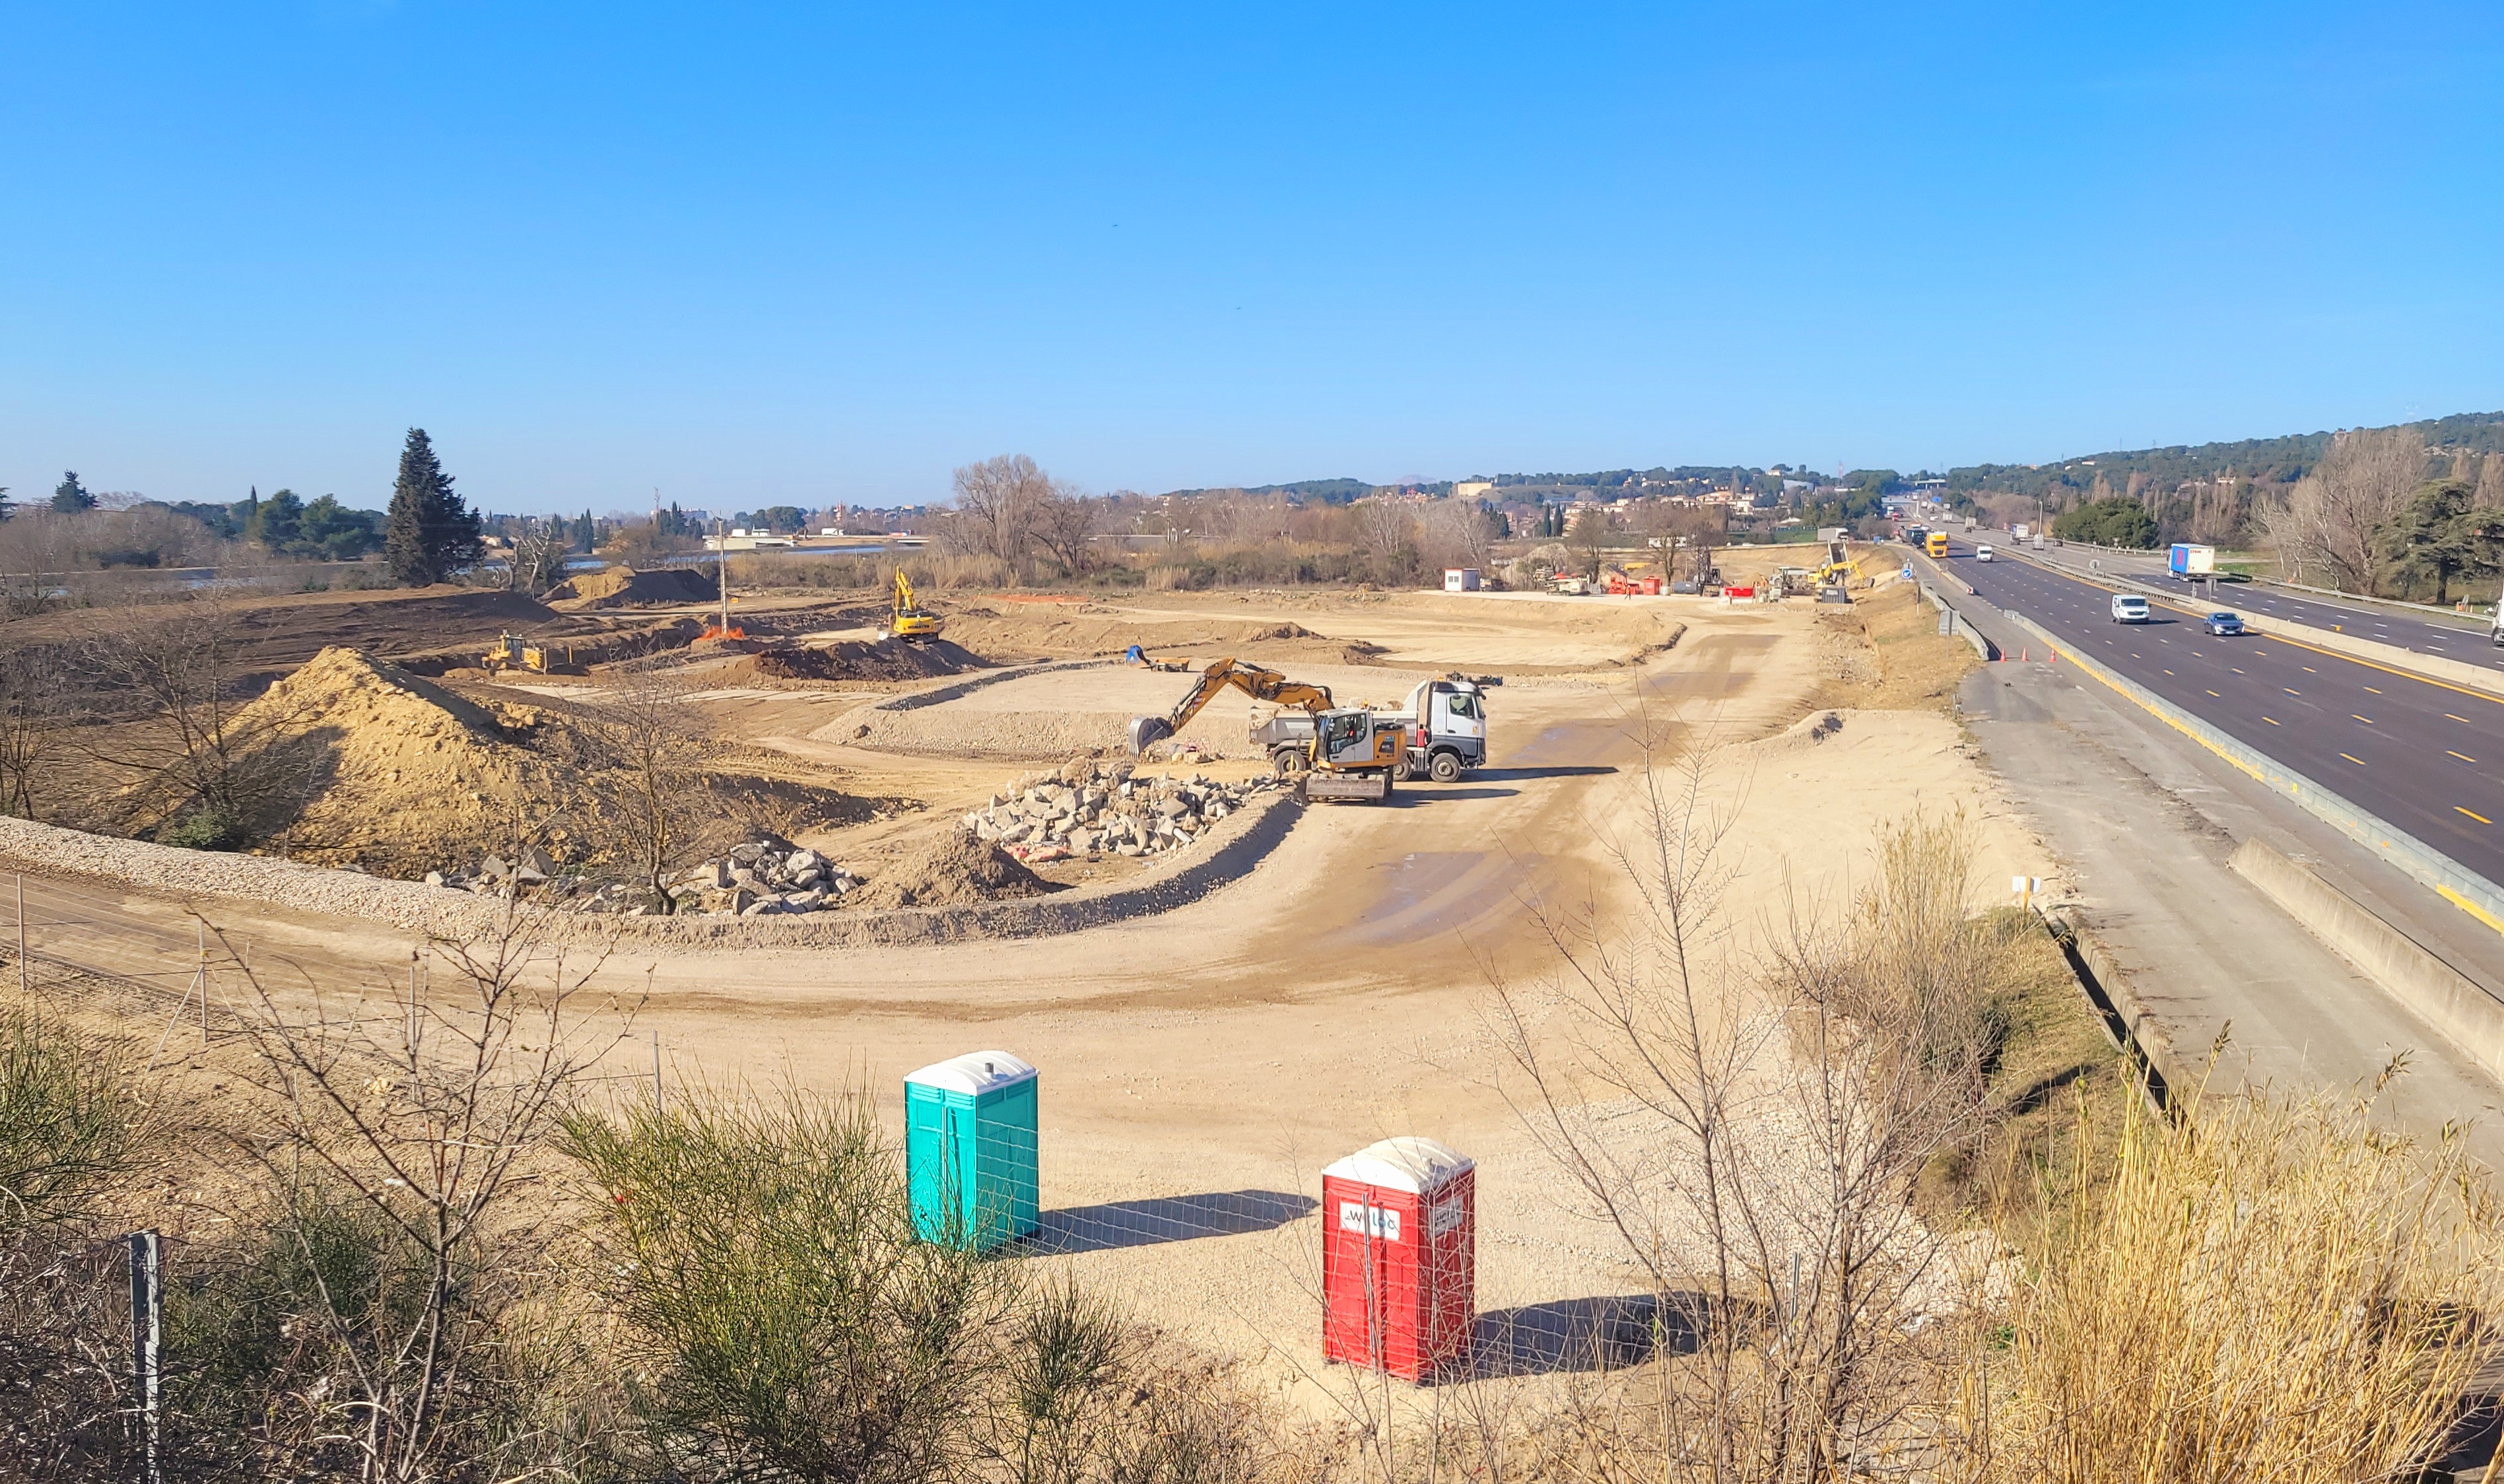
(590, 532)
(8, 506)
(71, 496)
(429, 531)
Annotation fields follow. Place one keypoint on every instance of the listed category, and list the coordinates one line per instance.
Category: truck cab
(1447, 727)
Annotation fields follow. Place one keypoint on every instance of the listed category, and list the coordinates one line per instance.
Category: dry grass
(1885, 653)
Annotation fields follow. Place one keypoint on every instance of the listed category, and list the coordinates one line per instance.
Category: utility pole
(722, 550)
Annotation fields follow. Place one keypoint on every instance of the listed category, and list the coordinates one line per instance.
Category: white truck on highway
(1444, 719)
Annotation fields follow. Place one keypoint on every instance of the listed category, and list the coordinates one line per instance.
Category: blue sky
(759, 254)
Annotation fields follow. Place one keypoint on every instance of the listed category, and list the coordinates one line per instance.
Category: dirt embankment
(623, 587)
(1084, 631)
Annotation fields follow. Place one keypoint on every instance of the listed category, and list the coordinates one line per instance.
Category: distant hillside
(2279, 460)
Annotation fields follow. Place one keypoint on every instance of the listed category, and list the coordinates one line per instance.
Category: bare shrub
(1754, 1137)
(173, 683)
(647, 764)
(387, 1329)
(34, 708)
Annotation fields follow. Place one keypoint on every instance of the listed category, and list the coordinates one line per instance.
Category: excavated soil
(392, 772)
(955, 870)
(886, 659)
(623, 587)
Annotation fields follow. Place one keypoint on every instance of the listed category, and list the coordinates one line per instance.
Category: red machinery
(1400, 1257)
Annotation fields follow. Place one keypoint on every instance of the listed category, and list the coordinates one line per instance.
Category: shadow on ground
(1165, 1219)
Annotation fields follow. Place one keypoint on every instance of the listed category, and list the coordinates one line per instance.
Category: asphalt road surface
(2426, 756)
(2465, 640)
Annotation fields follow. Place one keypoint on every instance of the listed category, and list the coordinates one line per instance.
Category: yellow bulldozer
(1352, 752)
(912, 621)
(512, 653)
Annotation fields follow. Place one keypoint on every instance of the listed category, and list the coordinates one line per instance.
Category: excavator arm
(1226, 674)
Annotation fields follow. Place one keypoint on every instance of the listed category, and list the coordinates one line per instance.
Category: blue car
(2225, 624)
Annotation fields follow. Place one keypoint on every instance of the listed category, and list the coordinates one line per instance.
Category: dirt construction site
(1273, 986)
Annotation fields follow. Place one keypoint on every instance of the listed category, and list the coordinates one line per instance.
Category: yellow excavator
(911, 620)
(1352, 751)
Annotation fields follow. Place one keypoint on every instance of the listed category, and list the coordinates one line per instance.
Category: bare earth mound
(955, 870)
(886, 659)
(623, 587)
(388, 771)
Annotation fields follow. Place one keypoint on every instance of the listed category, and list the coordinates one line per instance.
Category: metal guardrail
(2447, 877)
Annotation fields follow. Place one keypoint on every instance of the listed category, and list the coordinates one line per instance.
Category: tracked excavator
(1352, 752)
(911, 620)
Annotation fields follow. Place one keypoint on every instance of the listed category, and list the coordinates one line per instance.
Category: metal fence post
(147, 1321)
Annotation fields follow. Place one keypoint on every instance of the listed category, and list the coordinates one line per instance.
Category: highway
(2464, 639)
(2427, 756)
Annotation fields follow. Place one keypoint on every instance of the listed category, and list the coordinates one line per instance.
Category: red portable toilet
(1398, 1257)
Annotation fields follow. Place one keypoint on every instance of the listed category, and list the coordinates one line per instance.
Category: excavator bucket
(1146, 732)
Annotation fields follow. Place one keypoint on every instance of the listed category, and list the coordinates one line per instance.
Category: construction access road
(2424, 755)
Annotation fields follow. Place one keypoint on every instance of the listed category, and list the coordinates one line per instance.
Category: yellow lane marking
(2375, 692)
(2358, 761)
(2465, 721)
(2469, 907)
(2308, 669)
(2463, 756)
(2271, 720)
(2291, 692)
(2168, 672)
(2237, 669)
(2213, 693)
(2367, 721)
(2473, 814)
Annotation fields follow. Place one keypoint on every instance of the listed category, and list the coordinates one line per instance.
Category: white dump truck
(1444, 721)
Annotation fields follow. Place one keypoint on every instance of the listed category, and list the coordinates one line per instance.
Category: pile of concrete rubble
(758, 879)
(1102, 809)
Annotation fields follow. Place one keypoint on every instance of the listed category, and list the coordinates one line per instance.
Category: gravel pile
(1101, 808)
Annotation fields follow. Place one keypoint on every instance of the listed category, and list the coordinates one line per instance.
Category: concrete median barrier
(2447, 877)
(2443, 997)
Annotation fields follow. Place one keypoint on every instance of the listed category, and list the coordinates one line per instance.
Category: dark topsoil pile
(886, 659)
(623, 587)
(955, 871)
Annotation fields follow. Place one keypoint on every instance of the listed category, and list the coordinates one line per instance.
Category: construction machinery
(512, 653)
(1442, 724)
(912, 621)
(1351, 753)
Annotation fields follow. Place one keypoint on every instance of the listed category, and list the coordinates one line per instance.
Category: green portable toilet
(970, 1149)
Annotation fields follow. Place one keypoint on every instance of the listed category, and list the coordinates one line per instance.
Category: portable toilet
(970, 1149)
(1398, 1257)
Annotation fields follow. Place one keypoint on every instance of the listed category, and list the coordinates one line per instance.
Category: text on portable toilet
(970, 1149)
(1400, 1257)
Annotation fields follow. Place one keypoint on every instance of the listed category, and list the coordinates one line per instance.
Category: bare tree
(648, 769)
(537, 560)
(1385, 535)
(406, 1126)
(1065, 525)
(1458, 533)
(1752, 1139)
(174, 680)
(2329, 525)
(1589, 537)
(997, 503)
(33, 709)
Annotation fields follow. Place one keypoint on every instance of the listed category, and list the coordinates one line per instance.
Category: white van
(1982, 553)
(2128, 608)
